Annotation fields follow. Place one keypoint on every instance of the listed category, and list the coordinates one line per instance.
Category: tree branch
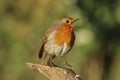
(54, 73)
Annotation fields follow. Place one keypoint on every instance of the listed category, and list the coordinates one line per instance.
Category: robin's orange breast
(64, 35)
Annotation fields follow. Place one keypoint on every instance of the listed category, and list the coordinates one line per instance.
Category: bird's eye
(67, 21)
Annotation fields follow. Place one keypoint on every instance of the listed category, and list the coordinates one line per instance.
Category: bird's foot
(49, 64)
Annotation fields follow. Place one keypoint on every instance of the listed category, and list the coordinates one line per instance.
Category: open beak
(76, 27)
(76, 19)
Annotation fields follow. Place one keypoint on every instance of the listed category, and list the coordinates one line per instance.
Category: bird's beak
(76, 19)
(77, 27)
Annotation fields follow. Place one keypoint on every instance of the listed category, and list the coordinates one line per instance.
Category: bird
(57, 41)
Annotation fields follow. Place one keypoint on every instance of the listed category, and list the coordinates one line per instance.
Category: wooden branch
(54, 73)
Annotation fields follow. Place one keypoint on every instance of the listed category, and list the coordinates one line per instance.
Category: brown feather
(44, 40)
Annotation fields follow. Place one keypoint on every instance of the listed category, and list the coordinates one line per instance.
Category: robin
(58, 40)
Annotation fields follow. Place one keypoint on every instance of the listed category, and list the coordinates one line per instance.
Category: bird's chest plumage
(64, 35)
(60, 41)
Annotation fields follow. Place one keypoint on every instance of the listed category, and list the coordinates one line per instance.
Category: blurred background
(95, 55)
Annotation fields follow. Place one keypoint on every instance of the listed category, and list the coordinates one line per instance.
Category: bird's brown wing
(44, 40)
(42, 47)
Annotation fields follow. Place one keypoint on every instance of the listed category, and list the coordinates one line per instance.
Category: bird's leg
(65, 61)
(51, 63)
(47, 59)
